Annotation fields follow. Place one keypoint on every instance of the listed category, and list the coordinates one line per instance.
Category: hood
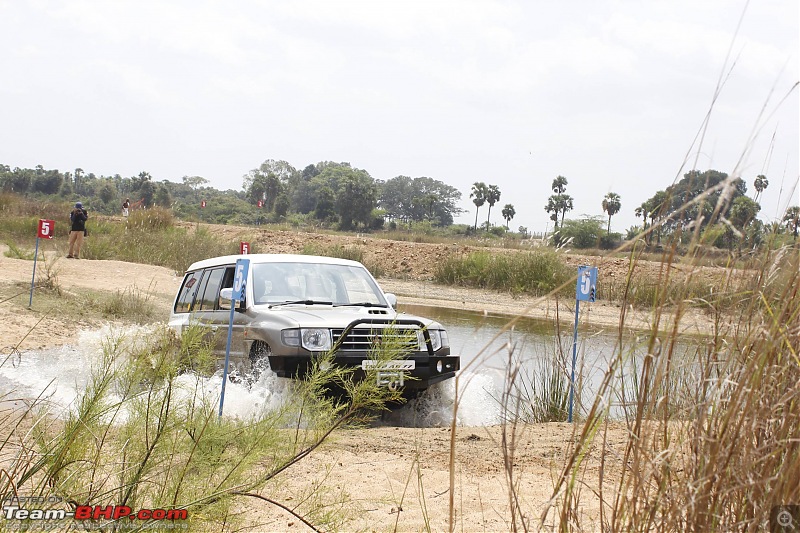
(325, 316)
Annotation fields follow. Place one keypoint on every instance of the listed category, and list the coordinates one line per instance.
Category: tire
(259, 360)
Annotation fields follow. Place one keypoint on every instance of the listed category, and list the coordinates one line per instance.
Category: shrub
(534, 273)
(583, 233)
(18, 253)
(131, 304)
(157, 218)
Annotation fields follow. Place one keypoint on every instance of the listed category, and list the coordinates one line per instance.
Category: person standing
(126, 205)
(77, 218)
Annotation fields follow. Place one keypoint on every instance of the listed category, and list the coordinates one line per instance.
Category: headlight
(316, 339)
(438, 339)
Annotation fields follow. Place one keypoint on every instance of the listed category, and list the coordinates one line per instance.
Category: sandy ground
(24, 328)
(396, 478)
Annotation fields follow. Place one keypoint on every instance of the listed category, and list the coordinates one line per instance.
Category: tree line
(326, 193)
(340, 195)
(704, 203)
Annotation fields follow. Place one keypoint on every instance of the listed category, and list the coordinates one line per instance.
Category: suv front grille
(364, 339)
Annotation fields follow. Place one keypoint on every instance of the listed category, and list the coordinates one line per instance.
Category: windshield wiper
(361, 304)
(304, 302)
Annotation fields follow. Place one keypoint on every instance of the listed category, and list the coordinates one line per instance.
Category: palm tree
(478, 195)
(508, 213)
(78, 180)
(492, 197)
(760, 183)
(559, 202)
(611, 205)
(559, 185)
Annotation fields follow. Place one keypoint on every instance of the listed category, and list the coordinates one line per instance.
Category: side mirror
(392, 299)
(225, 300)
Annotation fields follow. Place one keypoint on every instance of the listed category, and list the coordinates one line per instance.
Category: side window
(187, 292)
(207, 299)
(201, 287)
(227, 283)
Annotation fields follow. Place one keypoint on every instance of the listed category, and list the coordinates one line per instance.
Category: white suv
(297, 306)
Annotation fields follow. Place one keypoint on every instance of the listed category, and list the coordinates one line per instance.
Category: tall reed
(713, 432)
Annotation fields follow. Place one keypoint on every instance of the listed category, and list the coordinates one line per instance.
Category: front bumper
(424, 374)
(429, 366)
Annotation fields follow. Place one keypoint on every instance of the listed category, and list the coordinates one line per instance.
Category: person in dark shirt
(77, 218)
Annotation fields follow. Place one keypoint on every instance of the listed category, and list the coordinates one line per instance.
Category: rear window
(186, 295)
(200, 290)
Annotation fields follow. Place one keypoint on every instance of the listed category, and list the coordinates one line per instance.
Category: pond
(492, 356)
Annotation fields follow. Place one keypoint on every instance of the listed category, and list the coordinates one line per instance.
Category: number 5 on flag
(46, 229)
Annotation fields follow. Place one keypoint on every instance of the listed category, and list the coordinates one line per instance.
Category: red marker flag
(46, 228)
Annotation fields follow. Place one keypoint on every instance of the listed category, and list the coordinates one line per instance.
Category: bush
(582, 233)
(157, 218)
(377, 219)
(534, 273)
(610, 241)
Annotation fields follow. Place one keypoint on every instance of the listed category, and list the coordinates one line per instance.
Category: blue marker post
(239, 284)
(585, 291)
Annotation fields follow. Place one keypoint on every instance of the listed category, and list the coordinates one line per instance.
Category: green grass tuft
(535, 273)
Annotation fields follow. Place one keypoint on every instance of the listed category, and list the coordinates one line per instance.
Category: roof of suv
(271, 258)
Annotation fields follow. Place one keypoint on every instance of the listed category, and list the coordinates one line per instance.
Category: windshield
(301, 282)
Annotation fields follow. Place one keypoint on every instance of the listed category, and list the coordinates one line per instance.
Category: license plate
(403, 364)
(389, 373)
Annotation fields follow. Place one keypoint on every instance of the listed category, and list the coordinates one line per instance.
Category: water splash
(478, 403)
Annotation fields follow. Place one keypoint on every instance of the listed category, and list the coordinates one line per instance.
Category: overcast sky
(609, 94)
